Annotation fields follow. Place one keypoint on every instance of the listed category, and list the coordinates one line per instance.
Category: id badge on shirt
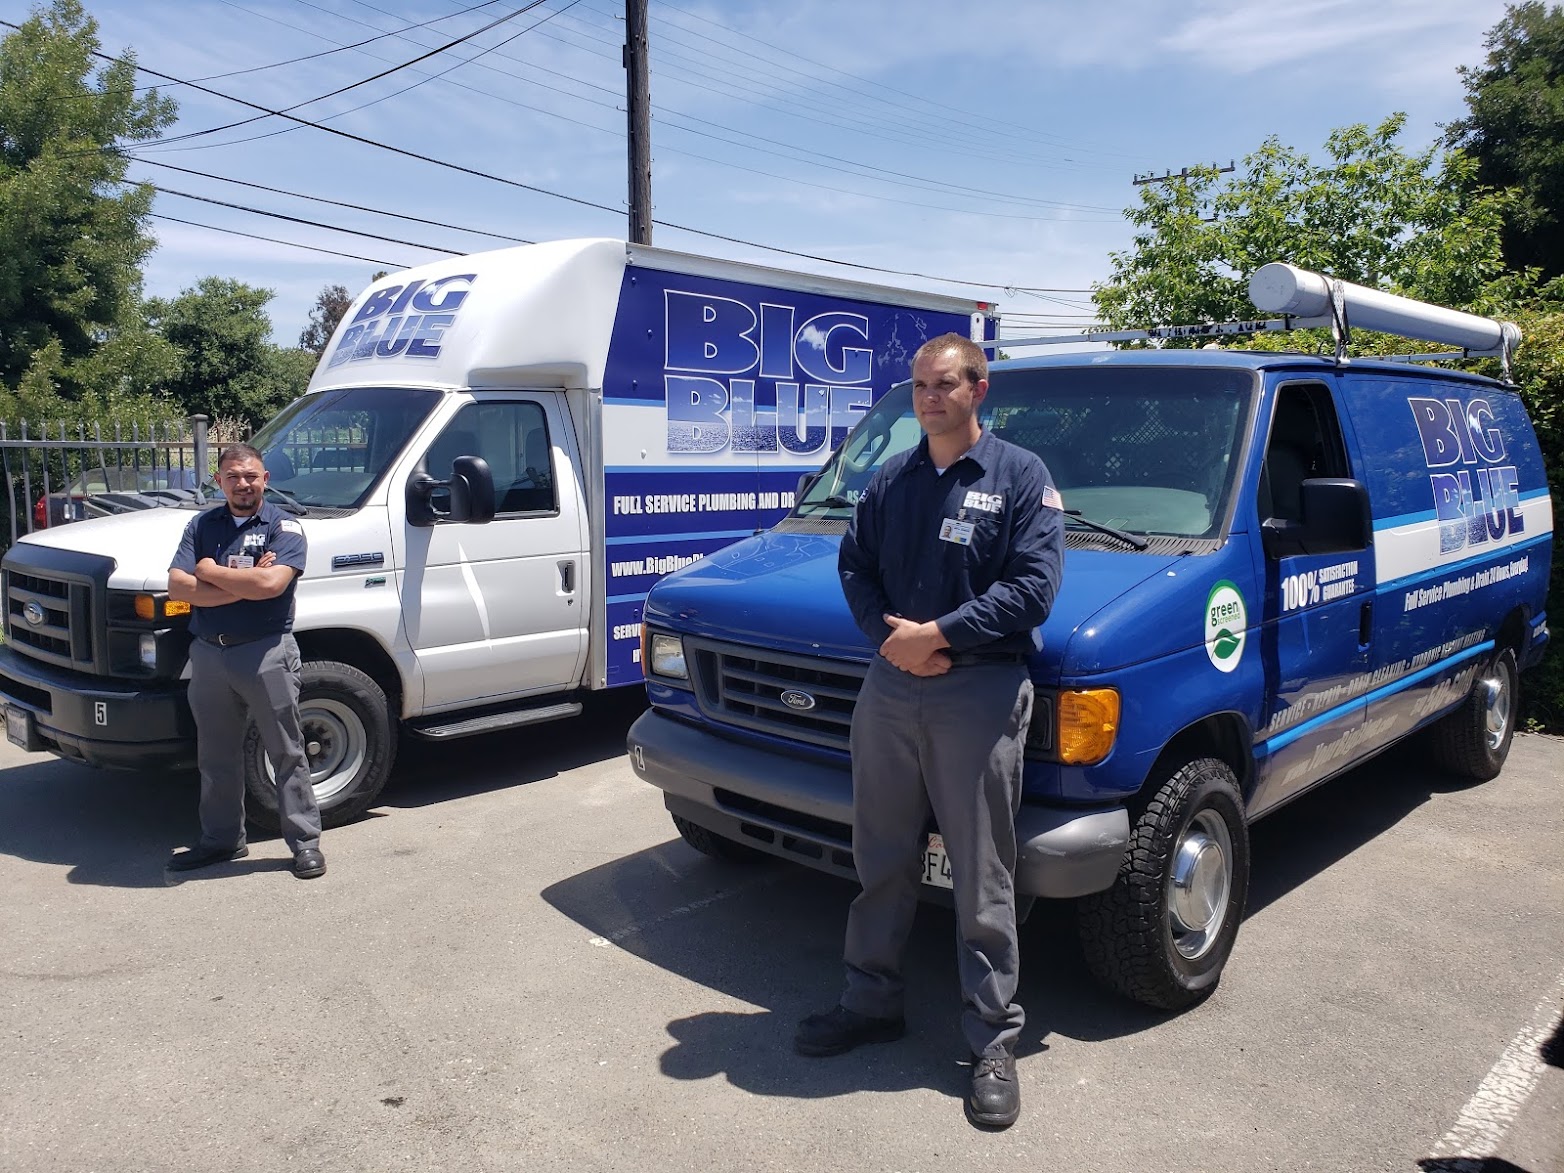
(240, 562)
(959, 532)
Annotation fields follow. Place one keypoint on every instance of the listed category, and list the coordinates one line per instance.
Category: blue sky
(989, 142)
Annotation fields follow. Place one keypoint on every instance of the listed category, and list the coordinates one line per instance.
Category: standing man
(237, 567)
(952, 559)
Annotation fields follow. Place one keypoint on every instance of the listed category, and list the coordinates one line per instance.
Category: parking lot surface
(514, 963)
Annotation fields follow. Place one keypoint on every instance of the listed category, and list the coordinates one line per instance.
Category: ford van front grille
(802, 698)
(49, 618)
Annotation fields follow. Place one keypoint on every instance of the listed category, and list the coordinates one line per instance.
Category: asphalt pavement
(513, 963)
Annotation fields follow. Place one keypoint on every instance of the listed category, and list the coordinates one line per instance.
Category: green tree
(1514, 129)
(228, 368)
(327, 311)
(1371, 213)
(72, 229)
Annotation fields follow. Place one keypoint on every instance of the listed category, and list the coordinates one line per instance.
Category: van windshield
(326, 451)
(1145, 450)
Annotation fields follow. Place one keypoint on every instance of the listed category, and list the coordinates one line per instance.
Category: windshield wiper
(832, 502)
(289, 502)
(1134, 541)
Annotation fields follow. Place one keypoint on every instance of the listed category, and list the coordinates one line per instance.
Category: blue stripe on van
(1283, 740)
(1429, 515)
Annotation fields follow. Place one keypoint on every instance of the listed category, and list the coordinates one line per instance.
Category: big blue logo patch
(816, 374)
(403, 321)
(1478, 499)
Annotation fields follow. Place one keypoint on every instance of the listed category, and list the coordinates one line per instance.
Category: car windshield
(1145, 450)
(327, 450)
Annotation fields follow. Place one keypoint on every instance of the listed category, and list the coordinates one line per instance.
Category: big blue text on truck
(1277, 565)
(496, 458)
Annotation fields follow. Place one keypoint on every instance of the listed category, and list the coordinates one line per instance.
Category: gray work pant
(951, 744)
(229, 686)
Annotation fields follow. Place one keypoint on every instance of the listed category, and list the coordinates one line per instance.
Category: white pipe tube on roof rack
(1279, 288)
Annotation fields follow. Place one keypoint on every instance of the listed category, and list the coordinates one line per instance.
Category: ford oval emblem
(794, 699)
(33, 613)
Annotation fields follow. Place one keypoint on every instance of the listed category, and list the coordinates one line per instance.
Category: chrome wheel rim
(1497, 701)
(335, 745)
(1200, 885)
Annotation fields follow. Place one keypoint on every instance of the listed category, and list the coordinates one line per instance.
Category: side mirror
(1336, 520)
(468, 497)
(806, 480)
(472, 490)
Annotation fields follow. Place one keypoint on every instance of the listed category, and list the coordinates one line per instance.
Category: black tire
(711, 844)
(348, 737)
(1163, 932)
(1473, 740)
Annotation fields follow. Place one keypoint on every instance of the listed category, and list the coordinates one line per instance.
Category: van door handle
(567, 576)
(1366, 624)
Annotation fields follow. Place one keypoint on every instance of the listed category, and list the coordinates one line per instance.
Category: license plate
(19, 727)
(936, 864)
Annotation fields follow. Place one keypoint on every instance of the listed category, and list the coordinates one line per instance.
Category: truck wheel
(1163, 932)
(1473, 740)
(347, 737)
(714, 845)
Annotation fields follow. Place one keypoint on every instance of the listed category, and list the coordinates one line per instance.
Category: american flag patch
(1051, 498)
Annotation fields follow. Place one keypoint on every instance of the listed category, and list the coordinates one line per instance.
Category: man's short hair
(974, 363)
(239, 452)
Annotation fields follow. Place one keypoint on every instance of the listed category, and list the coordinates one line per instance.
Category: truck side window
(1305, 442)
(513, 439)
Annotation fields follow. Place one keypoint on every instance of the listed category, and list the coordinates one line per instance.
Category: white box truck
(497, 457)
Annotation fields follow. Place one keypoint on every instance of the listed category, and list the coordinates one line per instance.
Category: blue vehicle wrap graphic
(403, 321)
(733, 391)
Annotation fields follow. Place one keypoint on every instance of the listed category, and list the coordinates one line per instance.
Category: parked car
(98, 492)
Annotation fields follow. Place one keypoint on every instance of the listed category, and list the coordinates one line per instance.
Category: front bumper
(801, 809)
(97, 720)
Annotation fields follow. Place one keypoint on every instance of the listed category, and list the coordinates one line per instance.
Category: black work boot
(995, 1098)
(839, 1030)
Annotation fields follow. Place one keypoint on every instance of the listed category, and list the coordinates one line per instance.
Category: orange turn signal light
(147, 607)
(1088, 724)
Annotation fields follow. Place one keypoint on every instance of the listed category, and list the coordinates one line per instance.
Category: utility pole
(1182, 174)
(640, 113)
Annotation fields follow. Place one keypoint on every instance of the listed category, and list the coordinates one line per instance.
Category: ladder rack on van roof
(1314, 301)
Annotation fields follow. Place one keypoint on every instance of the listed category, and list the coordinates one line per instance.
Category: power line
(451, 252)
(273, 240)
(457, 167)
(967, 120)
(747, 139)
(353, 85)
(385, 97)
(339, 48)
(334, 203)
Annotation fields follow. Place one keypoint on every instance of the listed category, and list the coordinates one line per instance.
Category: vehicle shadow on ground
(117, 828)
(429, 772)
(769, 934)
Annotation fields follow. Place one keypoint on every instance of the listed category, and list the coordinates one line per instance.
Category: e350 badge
(1226, 619)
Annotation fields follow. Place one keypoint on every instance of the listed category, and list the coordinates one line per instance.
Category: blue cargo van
(1277, 565)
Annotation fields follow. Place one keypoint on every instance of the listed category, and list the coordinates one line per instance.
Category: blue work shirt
(217, 534)
(909, 551)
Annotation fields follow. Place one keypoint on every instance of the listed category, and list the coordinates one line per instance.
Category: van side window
(1305, 443)
(513, 439)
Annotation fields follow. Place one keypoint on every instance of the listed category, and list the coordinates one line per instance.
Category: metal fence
(59, 473)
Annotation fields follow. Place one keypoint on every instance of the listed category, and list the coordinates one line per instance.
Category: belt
(224, 640)
(968, 659)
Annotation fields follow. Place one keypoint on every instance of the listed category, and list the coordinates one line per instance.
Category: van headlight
(149, 651)
(1088, 724)
(667, 657)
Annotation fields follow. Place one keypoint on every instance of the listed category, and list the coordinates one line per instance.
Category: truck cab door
(1318, 625)
(495, 611)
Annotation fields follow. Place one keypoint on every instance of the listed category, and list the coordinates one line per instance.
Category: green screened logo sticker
(1226, 619)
